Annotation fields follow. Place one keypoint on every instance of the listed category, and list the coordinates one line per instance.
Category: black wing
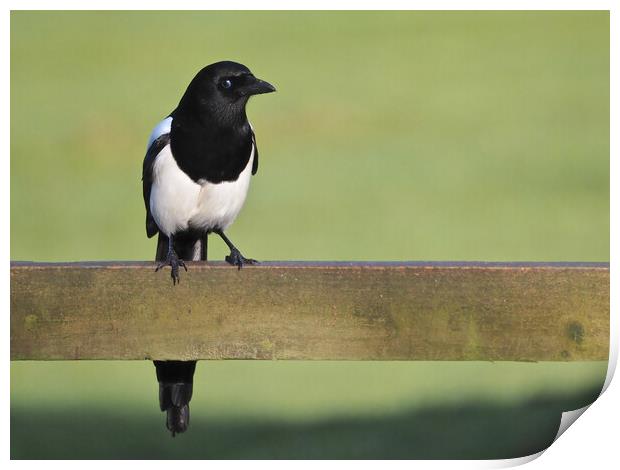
(255, 162)
(147, 180)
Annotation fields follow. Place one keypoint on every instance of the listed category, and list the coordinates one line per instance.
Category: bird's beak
(257, 86)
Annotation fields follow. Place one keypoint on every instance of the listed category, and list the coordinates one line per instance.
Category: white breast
(178, 203)
(219, 204)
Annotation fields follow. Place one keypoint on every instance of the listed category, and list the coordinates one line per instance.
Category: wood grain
(312, 311)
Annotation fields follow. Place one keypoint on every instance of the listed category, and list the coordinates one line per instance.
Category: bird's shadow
(472, 430)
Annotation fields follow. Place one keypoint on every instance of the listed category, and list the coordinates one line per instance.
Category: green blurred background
(393, 136)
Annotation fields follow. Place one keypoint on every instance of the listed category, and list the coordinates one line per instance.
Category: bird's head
(222, 90)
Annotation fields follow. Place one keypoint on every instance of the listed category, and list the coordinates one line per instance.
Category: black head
(221, 91)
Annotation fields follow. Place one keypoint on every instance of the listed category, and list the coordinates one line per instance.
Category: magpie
(195, 179)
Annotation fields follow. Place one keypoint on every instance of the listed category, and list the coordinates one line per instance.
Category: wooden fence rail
(301, 310)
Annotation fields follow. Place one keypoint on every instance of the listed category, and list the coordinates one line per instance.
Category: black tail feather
(177, 419)
(175, 392)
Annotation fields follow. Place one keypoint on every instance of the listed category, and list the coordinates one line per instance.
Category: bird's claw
(236, 259)
(174, 262)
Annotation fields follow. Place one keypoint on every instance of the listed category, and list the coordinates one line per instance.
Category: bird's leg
(173, 261)
(203, 246)
(235, 258)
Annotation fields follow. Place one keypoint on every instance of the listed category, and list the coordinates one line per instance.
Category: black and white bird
(196, 175)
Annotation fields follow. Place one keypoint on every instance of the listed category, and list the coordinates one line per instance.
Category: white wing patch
(163, 127)
(220, 204)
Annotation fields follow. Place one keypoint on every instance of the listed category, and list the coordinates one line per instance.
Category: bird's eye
(226, 84)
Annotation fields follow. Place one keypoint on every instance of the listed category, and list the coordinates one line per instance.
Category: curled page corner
(517, 461)
(611, 363)
(568, 418)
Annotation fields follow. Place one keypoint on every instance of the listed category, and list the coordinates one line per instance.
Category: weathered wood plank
(287, 310)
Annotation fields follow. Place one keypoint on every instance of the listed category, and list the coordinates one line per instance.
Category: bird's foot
(236, 259)
(174, 262)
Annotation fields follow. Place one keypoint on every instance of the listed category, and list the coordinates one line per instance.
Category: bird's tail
(174, 400)
(175, 392)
